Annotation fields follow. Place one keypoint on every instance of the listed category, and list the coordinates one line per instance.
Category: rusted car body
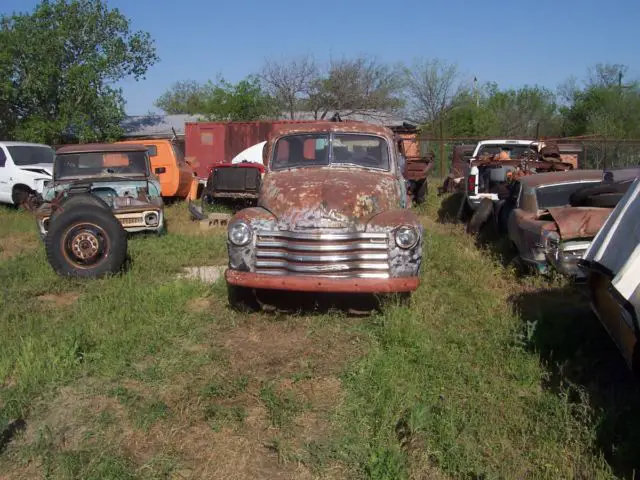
(612, 265)
(546, 230)
(117, 175)
(416, 167)
(332, 215)
(460, 157)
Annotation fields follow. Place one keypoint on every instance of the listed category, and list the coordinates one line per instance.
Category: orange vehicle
(177, 177)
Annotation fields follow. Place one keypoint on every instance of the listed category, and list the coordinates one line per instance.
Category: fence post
(442, 159)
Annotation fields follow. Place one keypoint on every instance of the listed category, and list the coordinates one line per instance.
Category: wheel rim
(85, 245)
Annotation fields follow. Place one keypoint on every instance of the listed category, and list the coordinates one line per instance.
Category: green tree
(360, 85)
(186, 97)
(526, 111)
(222, 100)
(59, 65)
(243, 101)
(605, 106)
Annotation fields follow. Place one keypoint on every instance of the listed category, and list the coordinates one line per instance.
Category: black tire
(464, 211)
(580, 197)
(422, 192)
(635, 363)
(604, 200)
(86, 242)
(503, 217)
(520, 267)
(480, 216)
(19, 195)
(242, 299)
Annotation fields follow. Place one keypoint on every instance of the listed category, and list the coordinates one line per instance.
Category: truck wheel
(503, 218)
(20, 195)
(242, 299)
(480, 216)
(422, 193)
(86, 242)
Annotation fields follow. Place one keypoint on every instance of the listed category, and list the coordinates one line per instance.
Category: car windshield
(550, 196)
(74, 165)
(359, 150)
(514, 151)
(31, 155)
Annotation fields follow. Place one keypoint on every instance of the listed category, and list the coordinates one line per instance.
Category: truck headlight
(407, 236)
(240, 234)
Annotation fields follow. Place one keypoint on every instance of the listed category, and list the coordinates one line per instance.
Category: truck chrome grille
(337, 255)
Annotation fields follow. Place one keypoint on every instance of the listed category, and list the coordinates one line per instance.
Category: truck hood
(38, 168)
(579, 222)
(328, 197)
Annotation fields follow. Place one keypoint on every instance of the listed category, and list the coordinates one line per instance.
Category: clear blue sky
(511, 42)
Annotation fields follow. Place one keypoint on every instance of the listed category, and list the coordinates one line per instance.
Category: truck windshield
(550, 196)
(514, 151)
(31, 155)
(74, 165)
(303, 150)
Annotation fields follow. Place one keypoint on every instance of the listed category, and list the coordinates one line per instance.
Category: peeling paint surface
(579, 222)
(328, 197)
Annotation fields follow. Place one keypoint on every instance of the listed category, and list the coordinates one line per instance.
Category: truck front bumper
(298, 283)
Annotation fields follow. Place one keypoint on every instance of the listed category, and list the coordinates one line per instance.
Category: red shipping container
(212, 143)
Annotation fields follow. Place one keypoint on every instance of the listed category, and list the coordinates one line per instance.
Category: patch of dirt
(274, 349)
(206, 274)
(199, 305)
(66, 420)
(21, 472)
(17, 244)
(60, 299)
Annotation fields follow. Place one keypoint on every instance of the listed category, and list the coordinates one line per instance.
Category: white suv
(24, 167)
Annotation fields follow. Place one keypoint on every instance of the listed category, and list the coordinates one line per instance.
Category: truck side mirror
(160, 170)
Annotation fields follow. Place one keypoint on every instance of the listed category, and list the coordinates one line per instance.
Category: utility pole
(475, 91)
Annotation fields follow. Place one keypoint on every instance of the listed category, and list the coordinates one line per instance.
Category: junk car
(117, 176)
(332, 216)
(548, 231)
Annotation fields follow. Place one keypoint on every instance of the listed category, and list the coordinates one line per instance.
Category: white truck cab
(475, 188)
(24, 168)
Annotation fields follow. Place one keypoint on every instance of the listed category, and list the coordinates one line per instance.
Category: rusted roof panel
(350, 126)
(100, 147)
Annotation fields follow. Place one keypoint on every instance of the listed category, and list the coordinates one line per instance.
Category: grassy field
(146, 375)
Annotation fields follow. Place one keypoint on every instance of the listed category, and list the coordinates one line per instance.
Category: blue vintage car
(117, 176)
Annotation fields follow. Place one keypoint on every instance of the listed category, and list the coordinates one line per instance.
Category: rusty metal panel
(579, 222)
(213, 143)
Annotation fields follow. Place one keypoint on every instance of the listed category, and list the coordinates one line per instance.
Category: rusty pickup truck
(332, 216)
(546, 230)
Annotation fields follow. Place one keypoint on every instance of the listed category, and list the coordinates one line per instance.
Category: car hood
(579, 222)
(38, 168)
(328, 197)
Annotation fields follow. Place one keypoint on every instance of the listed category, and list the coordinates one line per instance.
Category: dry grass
(12, 246)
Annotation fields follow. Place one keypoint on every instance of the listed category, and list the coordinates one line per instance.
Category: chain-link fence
(610, 153)
(592, 152)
